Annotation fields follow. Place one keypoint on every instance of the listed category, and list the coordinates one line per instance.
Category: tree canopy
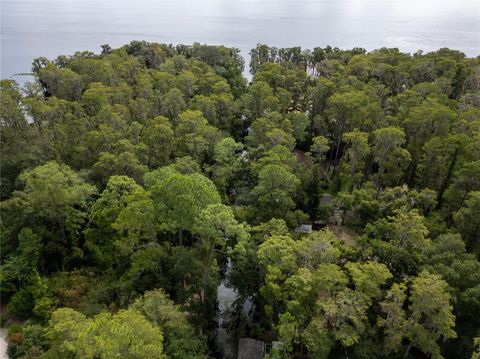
(333, 198)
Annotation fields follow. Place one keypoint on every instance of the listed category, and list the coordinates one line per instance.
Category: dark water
(33, 28)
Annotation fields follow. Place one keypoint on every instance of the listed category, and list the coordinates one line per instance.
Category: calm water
(33, 28)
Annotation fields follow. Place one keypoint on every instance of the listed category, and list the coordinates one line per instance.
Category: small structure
(249, 348)
(302, 158)
(319, 224)
(325, 204)
(326, 198)
(304, 228)
(316, 225)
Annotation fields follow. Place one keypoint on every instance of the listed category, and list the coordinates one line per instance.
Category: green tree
(399, 240)
(369, 277)
(319, 148)
(274, 192)
(346, 111)
(127, 333)
(180, 338)
(319, 94)
(173, 104)
(121, 221)
(187, 271)
(54, 200)
(345, 316)
(465, 180)
(270, 130)
(21, 266)
(61, 82)
(431, 313)
(259, 99)
(277, 155)
(395, 321)
(214, 224)
(388, 153)
(467, 221)
(300, 124)
(26, 258)
(277, 262)
(33, 343)
(317, 339)
(354, 161)
(179, 199)
(17, 139)
(229, 162)
(186, 81)
(31, 300)
(428, 319)
(159, 138)
(438, 155)
(423, 122)
(448, 257)
(195, 137)
(318, 247)
(122, 160)
(476, 353)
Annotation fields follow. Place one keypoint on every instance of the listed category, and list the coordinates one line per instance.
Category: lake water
(33, 28)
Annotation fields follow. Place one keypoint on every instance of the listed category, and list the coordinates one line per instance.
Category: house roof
(249, 348)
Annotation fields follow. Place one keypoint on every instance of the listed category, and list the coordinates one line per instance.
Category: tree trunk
(408, 350)
(65, 239)
(207, 273)
(337, 152)
(352, 176)
(411, 175)
(446, 180)
(180, 236)
(379, 184)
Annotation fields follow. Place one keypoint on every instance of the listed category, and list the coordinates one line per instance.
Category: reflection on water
(33, 28)
(226, 297)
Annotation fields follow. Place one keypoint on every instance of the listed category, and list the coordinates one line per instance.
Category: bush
(21, 304)
(324, 212)
(30, 343)
(14, 328)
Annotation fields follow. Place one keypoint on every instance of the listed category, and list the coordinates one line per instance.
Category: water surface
(33, 28)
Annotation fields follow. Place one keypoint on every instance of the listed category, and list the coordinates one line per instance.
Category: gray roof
(326, 198)
(250, 349)
(304, 228)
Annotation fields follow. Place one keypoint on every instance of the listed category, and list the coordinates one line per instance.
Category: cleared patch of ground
(345, 234)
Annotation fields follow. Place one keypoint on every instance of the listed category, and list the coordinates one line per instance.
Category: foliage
(126, 333)
(135, 181)
(180, 339)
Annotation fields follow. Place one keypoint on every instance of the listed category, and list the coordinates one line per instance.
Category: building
(249, 348)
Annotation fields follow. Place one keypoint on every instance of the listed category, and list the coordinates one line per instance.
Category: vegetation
(132, 179)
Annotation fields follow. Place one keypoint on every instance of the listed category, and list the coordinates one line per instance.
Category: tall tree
(180, 339)
(127, 333)
(274, 192)
(428, 319)
(54, 202)
(215, 225)
(390, 156)
(179, 199)
(353, 164)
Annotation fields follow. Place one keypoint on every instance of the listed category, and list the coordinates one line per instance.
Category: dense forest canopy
(339, 192)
